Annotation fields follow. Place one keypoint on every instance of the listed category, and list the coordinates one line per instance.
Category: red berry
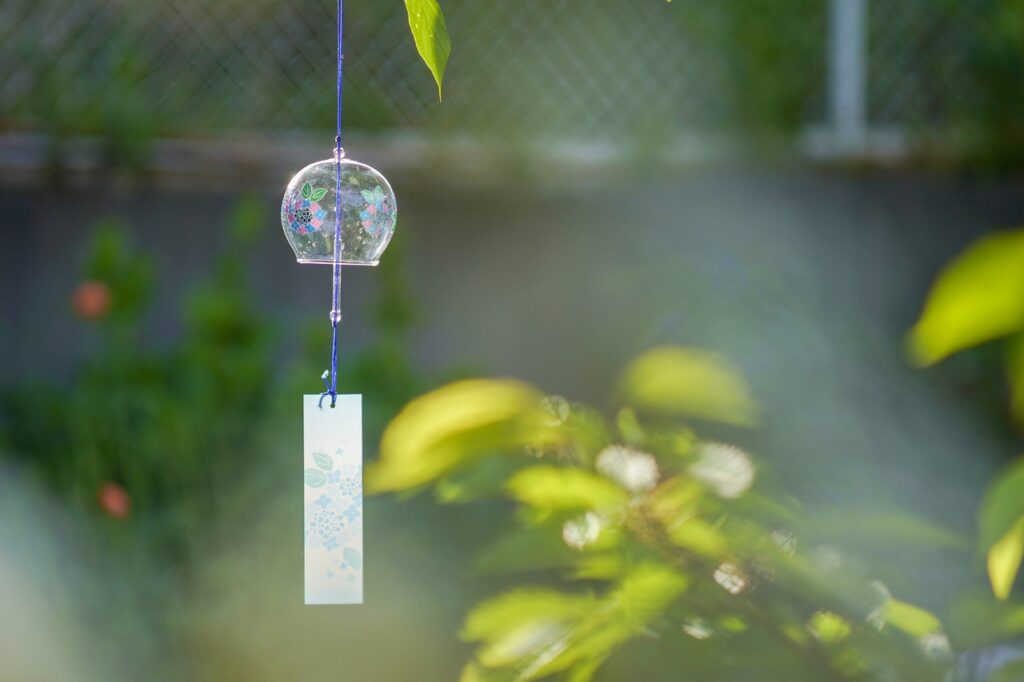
(114, 501)
(91, 300)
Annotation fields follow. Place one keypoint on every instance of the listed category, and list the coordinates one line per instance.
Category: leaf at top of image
(430, 33)
(976, 298)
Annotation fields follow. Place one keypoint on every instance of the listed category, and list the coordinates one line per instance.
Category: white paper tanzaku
(333, 487)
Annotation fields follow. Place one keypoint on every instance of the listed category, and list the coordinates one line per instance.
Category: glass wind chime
(335, 212)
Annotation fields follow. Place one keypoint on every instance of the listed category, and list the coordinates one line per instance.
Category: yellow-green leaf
(1015, 370)
(1004, 559)
(911, 619)
(521, 624)
(698, 536)
(430, 33)
(689, 382)
(828, 627)
(550, 487)
(646, 592)
(977, 298)
(442, 430)
(1002, 505)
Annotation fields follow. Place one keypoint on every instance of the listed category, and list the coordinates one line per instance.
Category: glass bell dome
(368, 211)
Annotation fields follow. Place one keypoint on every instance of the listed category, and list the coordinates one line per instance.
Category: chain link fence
(581, 68)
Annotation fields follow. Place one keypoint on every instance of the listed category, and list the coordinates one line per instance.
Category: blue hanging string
(332, 387)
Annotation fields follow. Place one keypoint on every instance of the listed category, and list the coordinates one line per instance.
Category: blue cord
(332, 388)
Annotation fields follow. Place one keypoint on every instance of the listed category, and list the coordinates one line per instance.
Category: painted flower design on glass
(305, 215)
(378, 214)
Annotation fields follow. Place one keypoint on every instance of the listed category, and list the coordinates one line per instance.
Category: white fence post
(848, 47)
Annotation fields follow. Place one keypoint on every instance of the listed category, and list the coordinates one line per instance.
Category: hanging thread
(332, 387)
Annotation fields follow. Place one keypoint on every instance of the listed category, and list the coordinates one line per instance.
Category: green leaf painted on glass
(430, 33)
(315, 478)
(977, 298)
(353, 558)
(689, 382)
(319, 194)
(307, 190)
(1004, 559)
(549, 487)
(323, 461)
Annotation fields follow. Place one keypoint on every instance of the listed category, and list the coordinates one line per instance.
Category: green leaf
(522, 625)
(323, 461)
(975, 620)
(486, 479)
(698, 536)
(977, 298)
(550, 487)
(315, 478)
(499, 615)
(828, 627)
(1015, 373)
(448, 428)
(646, 592)
(688, 382)
(527, 549)
(319, 194)
(884, 531)
(911, 619)
(307, 190)
(1004, 559)
(1002, 505)
(430, 33)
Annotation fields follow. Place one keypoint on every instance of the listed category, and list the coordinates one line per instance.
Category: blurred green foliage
(996, 59)
(978, 299)
(153, 446)
(659, 534)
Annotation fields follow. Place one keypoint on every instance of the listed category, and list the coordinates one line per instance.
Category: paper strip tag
(333, 486)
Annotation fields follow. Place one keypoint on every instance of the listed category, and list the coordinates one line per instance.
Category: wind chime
(335, 212)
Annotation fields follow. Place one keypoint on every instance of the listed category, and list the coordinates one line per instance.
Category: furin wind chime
(335, 212)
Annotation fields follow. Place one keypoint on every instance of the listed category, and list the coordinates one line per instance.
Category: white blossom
(724, 468)
(634, 470)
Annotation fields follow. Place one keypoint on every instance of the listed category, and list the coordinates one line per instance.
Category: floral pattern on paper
(333, 517)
